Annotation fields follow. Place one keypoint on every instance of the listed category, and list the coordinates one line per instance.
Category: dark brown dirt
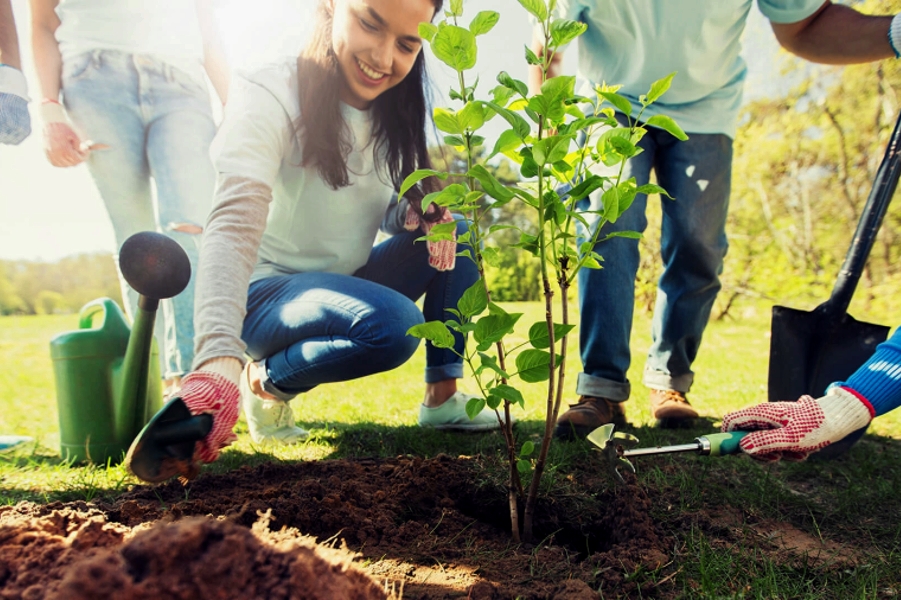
(405, 527)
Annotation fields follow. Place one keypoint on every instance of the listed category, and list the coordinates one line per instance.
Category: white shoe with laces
(452, 416)
(269, 421)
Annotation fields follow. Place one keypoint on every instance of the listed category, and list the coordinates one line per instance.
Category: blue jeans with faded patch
(307, 329)
(158, 124)
(697, 174)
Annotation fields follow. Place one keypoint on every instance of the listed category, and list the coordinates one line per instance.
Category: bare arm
(47, 58)
(837, 35)
(9, 40)
(214, 60)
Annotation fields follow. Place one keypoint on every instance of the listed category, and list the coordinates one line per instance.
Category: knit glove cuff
(793, 430)
(442, 253)
(206, 392)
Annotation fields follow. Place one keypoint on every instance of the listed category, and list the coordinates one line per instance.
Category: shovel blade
(808, 351)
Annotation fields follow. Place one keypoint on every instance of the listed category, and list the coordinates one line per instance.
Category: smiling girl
(309, 157)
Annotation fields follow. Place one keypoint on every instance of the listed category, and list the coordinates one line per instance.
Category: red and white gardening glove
(793, 430)
(62, 145)
(207, 392)
(442, 254)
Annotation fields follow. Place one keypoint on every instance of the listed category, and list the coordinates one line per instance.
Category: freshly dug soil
(405, 527)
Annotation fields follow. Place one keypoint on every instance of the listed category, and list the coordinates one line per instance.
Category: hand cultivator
(617, 447)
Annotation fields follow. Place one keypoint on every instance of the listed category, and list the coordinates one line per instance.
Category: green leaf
(474, 406)
(490, 183)
(484, 22)
(658, 88)
(474, 300)
(492, 328)
(506, 141)
(532, 58)
(563, 31)
(434, 331)
(455, 47)
(622, 104)
(455, 140)
(652, 188)
(472, 116)
(508, 393)
(523, 466)
(516, 85)
(456, 8)
(533, 366)
(493, 257)
(427, 31)
(586, 187)
(446, 120)
(417, 176)
(528, 447)
(490, 362)
(520, 125)
(538, 335)
(536, 8)
(667, 124)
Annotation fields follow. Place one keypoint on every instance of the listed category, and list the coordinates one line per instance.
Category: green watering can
(108, 382)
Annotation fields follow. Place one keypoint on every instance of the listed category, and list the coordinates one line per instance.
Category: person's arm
(837, 35)
(15, 122)
(48, 61)
(9, 40)
(62, 145)
(214, 60)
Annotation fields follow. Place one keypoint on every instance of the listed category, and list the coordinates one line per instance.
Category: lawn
(734, 528)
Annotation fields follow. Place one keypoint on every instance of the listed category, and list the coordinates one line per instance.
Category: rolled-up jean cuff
(658, 380)
(451, 371)
(598, 387)
(269, 387)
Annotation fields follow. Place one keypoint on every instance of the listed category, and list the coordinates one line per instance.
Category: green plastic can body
(87, 365)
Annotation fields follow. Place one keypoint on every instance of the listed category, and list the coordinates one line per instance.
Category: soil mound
(419, 528)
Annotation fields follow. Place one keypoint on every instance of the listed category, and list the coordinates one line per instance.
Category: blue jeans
(314, 328)
(697, 173)
(158, 124)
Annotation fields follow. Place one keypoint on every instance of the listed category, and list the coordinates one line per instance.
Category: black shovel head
(808, 351)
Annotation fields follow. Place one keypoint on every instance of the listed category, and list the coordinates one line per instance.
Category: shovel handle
(870, 220)
(722, 444)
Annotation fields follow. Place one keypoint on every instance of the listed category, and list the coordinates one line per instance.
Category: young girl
(309, 157)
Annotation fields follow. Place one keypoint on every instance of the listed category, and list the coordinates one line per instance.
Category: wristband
(894, 35)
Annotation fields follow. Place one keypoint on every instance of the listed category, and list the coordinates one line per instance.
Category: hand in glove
(793, 430)
(61, 143)
(15, 122)
(443, 253)
(208, 392)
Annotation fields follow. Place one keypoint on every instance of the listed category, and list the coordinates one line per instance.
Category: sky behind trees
(47, 213)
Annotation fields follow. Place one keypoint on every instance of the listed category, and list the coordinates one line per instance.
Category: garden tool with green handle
(618, 447)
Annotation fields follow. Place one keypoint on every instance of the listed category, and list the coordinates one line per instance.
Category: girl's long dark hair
(399, 116)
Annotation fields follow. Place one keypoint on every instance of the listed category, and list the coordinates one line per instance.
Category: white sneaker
(452, 415)
(269, 421)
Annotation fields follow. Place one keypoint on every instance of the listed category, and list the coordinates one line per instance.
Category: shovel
(810, 350)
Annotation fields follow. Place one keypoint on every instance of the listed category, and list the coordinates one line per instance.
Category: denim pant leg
(178, 140)
(314, 328)
(607, 295)
(403, 265)
(100, 95)
(698, 174)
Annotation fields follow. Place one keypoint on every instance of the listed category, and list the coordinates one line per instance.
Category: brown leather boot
(671, 409)
(588, 414)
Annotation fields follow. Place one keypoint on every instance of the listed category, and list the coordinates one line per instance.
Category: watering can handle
(86, 317)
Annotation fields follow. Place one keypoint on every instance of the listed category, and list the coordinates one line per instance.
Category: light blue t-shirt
(636, 42)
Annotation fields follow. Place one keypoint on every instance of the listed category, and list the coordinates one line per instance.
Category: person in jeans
(794, 430)
(310, 156)
(124, 90)
(634, 44)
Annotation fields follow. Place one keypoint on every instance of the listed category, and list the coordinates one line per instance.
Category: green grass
(853, 501)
